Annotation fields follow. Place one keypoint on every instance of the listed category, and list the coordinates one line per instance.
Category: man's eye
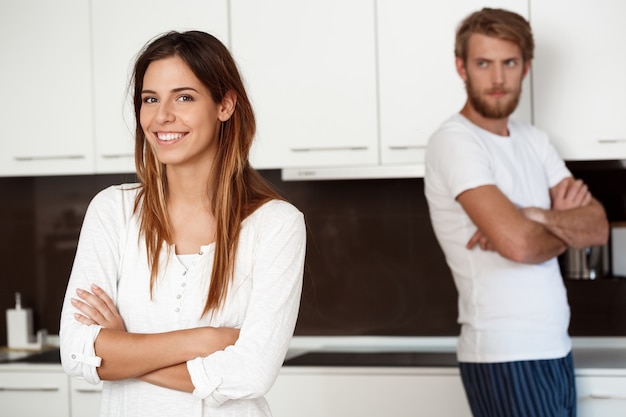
(511, 63)
(482, 64)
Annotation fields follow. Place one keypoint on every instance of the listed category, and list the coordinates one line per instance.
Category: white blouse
(262, 301)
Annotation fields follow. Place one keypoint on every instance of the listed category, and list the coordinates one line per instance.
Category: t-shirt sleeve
(457, 161)
(554, 166)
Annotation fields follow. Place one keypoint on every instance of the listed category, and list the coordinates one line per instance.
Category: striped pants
(537, 388)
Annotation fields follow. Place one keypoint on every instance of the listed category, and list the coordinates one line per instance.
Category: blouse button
(184, 284)
(200, 253)
(178, 297)
(184, 273)
(177, 309)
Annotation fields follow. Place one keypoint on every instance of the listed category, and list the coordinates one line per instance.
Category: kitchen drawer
(601, 396)
(85, 397)
(312, 391)
(34, 394)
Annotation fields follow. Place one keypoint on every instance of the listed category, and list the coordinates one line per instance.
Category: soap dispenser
(20, 326)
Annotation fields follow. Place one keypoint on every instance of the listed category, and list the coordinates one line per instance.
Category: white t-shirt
(508, 311)
(262, 301)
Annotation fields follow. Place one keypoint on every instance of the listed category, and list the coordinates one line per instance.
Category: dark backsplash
(373, 266)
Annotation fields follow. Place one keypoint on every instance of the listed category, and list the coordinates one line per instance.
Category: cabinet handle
(27, 389)
(404, 147)
(118, 155)
(617, 140)
(330, 149)
(603, 397)
(89, 391)
(47, 158)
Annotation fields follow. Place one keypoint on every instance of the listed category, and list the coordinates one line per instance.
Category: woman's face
(178, 116)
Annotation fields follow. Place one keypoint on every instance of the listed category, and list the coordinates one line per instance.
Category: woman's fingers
(98, 308)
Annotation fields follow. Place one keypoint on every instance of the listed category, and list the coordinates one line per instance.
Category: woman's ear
(227, 106)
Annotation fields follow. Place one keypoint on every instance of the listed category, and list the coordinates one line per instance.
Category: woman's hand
(97, 307)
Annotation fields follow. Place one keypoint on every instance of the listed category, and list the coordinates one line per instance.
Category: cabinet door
(601, 396)
(368, 393)
(419, 86)
(85, 398)
(120, 30)
(310, 71)
(45, 110)
(33, 394)
(578, 77)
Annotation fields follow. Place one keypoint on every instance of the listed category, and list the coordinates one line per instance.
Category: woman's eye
(185, 98)
(149, 100)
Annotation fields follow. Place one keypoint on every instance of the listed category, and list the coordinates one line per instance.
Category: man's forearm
(578, 227)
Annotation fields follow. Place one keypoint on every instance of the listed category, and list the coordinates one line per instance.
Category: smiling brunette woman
(185, 288)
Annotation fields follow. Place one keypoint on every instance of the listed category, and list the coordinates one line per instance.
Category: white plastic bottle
(20, 326)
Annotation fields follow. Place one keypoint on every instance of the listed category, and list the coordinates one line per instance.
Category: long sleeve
(276, 248)
(97, 260)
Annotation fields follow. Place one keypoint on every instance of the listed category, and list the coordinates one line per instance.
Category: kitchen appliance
(618, 249)
(588, 263)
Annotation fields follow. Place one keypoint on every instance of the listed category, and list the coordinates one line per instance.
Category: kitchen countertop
(591, 354)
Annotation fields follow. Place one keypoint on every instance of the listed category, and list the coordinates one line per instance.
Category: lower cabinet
(34, 393)
(400, 392)
(368, 392)
(84, 398)
(603, 396)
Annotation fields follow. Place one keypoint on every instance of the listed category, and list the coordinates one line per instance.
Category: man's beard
(501, 109)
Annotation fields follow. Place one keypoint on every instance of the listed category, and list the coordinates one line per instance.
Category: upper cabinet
(120, 30)
(419, 86)
(337, 85)
(310, 71)
(578, 77)
(67, 108)
(46, 111)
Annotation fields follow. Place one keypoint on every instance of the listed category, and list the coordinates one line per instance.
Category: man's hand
(569, 194)
(478, 238)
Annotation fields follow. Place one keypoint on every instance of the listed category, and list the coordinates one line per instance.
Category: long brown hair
(237, 188)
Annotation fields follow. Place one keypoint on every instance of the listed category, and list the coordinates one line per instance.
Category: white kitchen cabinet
(419, 86)
(578, 77)
(120, 30)
(310, 71)
(368, 392)
(84, 398)
(45, 110)
(601, 395)
(38, 391)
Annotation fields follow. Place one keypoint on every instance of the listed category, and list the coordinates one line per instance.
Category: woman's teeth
(169, 136)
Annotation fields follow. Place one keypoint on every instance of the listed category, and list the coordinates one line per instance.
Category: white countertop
(592, 355)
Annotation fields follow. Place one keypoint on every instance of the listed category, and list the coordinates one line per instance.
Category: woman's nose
(165, 114)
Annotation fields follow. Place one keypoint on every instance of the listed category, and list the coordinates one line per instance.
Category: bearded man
(503, 206)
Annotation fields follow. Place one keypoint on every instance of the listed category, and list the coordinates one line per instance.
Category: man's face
(493, 75)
